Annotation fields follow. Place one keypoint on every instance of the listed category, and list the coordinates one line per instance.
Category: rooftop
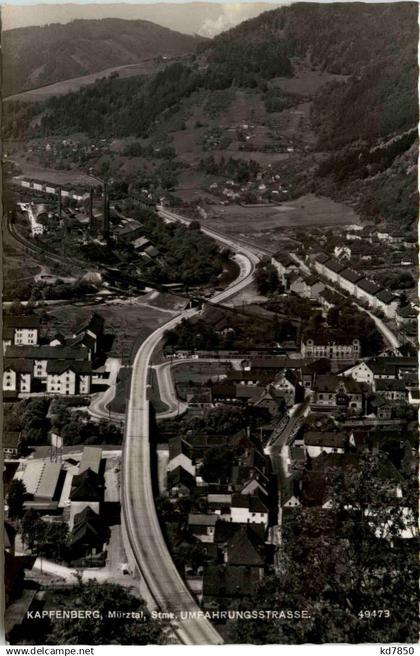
(91, 459)
(12, 321)
(351, 275)
(334, 265)
(369, 286)
(57, 367)
(41, 478)
(386, 297)
(19, 365)
(47, 353)
(326, 439)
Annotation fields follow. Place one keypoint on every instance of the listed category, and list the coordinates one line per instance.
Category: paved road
(387, 333)
(167, 389)
(389, 336)
(99, 404)
(168, 393)
(144, 539)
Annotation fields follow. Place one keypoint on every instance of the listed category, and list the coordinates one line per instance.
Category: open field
(145, 67)
(71, 177)
(128, 322)
(198, 373)
(266, 225)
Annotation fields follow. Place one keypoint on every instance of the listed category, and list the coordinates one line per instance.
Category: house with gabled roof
(361, 372)
(335, 393)
(388, 303)
(249, 508)
(367, 290)
(180, 455)
(245, 549)
(202, 525)
(332, 269)
(317, 442)
(21, 330)
(393, 390)
(87, 486)
(17, 376)
(222, 584)
(180, 482)
(92, 327)
(40, 356)
(88, 535)
(69, 377)
(348, 279)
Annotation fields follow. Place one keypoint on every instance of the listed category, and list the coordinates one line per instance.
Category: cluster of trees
(276, 100)
(216, 139)
(241, 335)
(223, 420)
(29, 417)
(47, 539)
(189, 256)
(62, 290)
(362, 161)
(348, 320)
(76, 429)
(137, 149)
(378, 103)
(194, 336)
(403, 280)
(246, 62)
(217, 465)
(342, 567)
(103, 628)
(267, 277)
(239, 170)
(16, 497)
(394, 197)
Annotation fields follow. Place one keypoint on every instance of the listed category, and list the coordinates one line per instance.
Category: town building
(43, 481)
(69, 377)
(180, 455)
(341, 348)
(17, 376)
(249, 508)
(317, 442)
(393, 390)
(336, 393)
(11, 441)
(21, 330)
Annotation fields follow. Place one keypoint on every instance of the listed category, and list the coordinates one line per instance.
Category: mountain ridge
(82, 47)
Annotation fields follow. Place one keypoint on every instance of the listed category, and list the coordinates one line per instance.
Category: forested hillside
(244, 92)
(36, 56)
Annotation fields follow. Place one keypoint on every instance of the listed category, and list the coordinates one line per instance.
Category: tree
(267, 277)
(16, 498)
(217, 465)
(103, 628)
(341, 563)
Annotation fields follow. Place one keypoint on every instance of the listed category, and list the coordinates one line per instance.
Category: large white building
(17, 375)
(341, 350)
(68, 378)
(21, 330)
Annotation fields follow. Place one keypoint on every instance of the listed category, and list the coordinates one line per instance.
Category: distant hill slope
(36, 56)
(375, 44)
(205, 18)
(352, 137)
